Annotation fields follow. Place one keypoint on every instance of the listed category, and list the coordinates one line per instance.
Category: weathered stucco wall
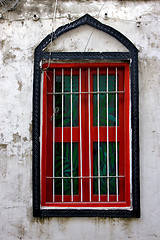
(20, 34)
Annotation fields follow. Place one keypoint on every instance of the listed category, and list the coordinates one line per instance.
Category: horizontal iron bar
(87, 177)
(113, 202)
(101, 92)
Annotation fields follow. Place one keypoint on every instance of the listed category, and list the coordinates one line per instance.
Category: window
(86, 130)
(85, 136)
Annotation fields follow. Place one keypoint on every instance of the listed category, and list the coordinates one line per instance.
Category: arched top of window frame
(87, 20)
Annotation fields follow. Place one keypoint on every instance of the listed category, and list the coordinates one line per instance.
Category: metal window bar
(116, 139)
(62, 129)
(89, 122)
(98, 103)
(99, 183)
(54, 79)
(88, 177)
(80, 123)
(107, 144)
(71, 144)
(64, 93)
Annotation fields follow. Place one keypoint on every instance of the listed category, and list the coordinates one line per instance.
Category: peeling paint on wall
(3, 146)
(16, 138)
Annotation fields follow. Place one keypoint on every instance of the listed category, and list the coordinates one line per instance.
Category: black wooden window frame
(130, 56)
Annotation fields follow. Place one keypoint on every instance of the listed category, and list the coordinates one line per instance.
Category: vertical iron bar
(99, 186)
(71, 145)
(116, 139)
(80, 123)
(53, 116)
(89, 122)
(62, 128)
(108, 179)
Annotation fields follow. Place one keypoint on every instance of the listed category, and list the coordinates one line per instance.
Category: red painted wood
(123, 136)
(113, 203)
(127, 135)
(82, 65)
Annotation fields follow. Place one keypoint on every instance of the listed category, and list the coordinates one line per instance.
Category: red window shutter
(89, 185)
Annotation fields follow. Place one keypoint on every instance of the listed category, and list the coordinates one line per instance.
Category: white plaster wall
(18, 39)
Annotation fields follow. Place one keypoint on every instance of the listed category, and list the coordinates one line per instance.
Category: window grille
(84, 107)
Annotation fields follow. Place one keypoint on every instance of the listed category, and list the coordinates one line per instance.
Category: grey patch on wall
(2, 43)
(8, 56)
(25, 139)
(9, 5)
(3, 146)
(16, 137)
(20, 85)
(30, 130)
(21, 231)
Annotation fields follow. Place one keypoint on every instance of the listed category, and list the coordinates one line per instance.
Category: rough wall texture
(20, 34)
